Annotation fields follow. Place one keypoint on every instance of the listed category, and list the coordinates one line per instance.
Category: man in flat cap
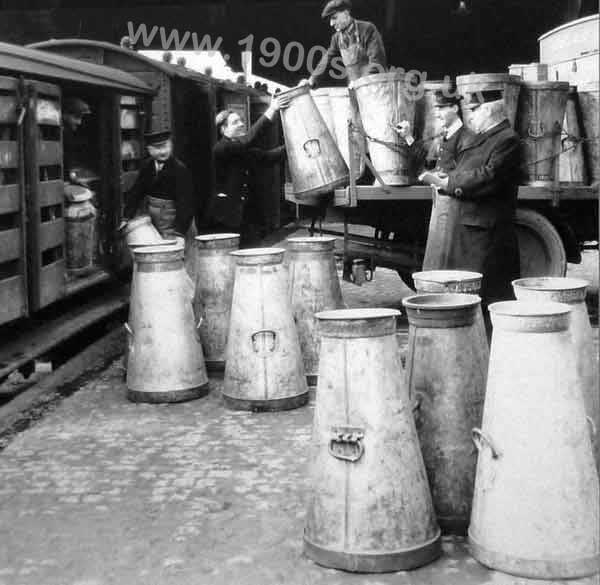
(356, 42)
(485, 184)
(163, 188)
(75, 148)
(236, 156)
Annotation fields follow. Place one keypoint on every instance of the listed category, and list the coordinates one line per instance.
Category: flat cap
(156, 138)
(475, 99)
(76, 106)
(446, 96)
(334, 6)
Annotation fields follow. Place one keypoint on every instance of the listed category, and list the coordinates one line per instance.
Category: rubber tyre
(541, 248)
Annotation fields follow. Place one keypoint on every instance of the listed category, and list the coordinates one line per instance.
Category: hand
(351, 84)
(443, 183)
(403, 129)
(122, 224)
(281, 102)
(306, 82)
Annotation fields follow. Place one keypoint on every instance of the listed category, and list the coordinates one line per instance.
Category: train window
(51, 213)
(50, 173)
(51, 133)
(8, 269)
(52, 255)
(9, 221)
(8, 132)
(9, 176)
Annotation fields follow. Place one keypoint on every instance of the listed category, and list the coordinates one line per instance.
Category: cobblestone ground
(103, 491)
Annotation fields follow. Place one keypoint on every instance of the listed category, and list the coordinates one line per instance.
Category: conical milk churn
(314, 286)
(571, 163)
(165, 361)
(446, 372)
(535, 506)
(454, 281)
(263, 363)
(369, 505)
(572, 292)
(215, 271)
(315, 162)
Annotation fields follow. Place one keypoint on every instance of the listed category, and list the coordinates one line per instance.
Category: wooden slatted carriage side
(45, 189)
(13, 261)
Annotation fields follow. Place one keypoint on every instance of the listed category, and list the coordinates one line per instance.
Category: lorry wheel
(541, 248)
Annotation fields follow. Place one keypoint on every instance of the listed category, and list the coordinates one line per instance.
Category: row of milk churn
(507, 450)
(558, 126)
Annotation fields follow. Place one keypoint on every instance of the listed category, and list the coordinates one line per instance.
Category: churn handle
(271, 332)
(479, 436)
(354, 438)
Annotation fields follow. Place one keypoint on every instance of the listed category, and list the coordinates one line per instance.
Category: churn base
(266, 405)
(169, 395)
(215, 365)
(539, 183)
(324, 189)
(393, 180)
(402, 560)
(558, 568)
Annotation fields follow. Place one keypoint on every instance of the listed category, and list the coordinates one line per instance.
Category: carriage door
(13, 261)
(45, 201)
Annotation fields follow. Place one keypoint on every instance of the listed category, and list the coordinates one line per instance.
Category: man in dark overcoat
(235, 156)
(485, 182)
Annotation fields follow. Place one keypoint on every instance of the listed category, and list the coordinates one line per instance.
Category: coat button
(458, 191)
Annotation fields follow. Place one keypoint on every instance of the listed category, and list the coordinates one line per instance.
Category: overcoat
(485, 183)
(234, 160)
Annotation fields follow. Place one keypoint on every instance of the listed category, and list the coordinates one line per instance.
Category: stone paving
(102, 491)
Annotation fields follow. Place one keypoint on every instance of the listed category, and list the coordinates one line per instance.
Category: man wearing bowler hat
(485, 183)
(357, 43)
(163, 189)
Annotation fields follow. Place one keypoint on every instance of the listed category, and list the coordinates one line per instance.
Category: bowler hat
(156, 138)
(334, 6)
(475, 99)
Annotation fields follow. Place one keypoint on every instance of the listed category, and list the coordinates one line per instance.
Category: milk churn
(384, 100)
(80, 222)
(315, 162)
(446, 372)
(535, 506)
(263, 361)
(140, 231)
(443, 229)
(454, 281)
(165, 361)
(215, 271)
(539, 123)
(571, 162)
(572, 291)
(369, 505)
(509, 85)
(314, 286)
(321, 98)
(589, 100)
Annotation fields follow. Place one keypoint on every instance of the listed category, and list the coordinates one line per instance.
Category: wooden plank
(12, 299)
(51, 193)
(8, 109)
(33, 339)
(52, 234)
(52, 282)
(48, 112)
(50, 153)
(9, 154)
(10, 199)
(46, 89)
(10, 244)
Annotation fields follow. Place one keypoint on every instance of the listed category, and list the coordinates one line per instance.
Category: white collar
(453, 128)
(156, 163)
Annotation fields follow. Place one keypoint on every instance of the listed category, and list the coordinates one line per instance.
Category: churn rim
(528, 308)
(250, 252)
(311, 239)
(212, 237)
(441, 301)
(437, 276)
(497, 77)
(135, 222)
(379, 77)
(546, 84)
(165, 242)
(160, 248)
(568, 283)
(360, 313)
